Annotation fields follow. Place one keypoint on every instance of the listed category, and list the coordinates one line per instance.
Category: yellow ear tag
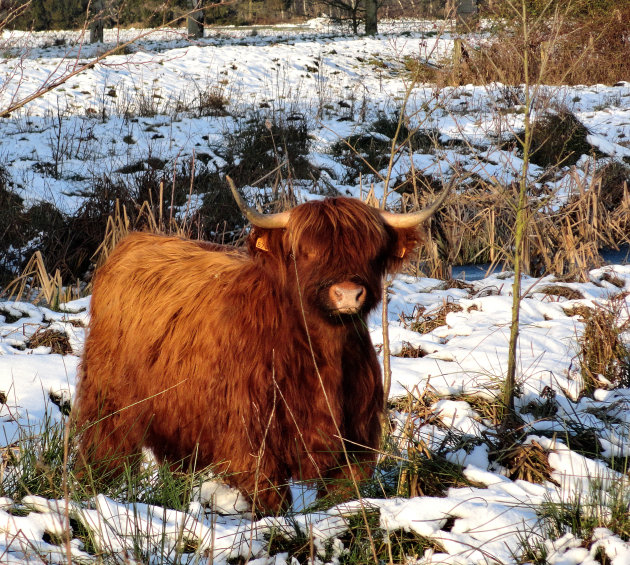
(402, 252)
(260, 244)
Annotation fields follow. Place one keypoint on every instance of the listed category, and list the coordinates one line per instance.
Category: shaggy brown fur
(238, 359)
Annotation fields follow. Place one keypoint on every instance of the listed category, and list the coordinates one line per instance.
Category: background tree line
(40, 15)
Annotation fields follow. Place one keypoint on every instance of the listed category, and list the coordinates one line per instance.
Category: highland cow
(258, 363)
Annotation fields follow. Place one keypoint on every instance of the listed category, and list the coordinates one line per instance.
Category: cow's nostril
(347, 297)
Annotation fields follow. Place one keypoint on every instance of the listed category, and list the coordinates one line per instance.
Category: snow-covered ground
(89, 126)
(466, 357)
(143, 103)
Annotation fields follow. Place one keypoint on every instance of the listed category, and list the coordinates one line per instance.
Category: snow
(338, 82)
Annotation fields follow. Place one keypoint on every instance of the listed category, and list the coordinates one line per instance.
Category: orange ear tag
(260, 244)
(401, 253)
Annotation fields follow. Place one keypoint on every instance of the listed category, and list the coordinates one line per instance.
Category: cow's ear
(263, 241)
(404, 242)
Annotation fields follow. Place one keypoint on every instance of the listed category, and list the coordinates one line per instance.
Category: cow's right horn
(414, 219)
(279, 220)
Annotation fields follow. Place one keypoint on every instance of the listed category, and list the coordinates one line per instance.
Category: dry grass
(57, 341)
(560, 290)
(487, 406)
(614, 179)
(562, 48)
(603, 355)
(528, 462)
(36, 279)
(473, 227)
(421, 323)
(477, 226)
(427, 474)
(408, 351)
(614, 280)
(119, 225)
(423, 471)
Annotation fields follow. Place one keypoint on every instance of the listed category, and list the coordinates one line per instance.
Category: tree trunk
(97, 24)
(371, 18)
(195, 19)
(466, 11)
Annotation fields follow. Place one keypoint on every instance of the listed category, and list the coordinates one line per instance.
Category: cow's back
(149, 364)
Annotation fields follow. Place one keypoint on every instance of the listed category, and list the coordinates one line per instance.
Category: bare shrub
(558, 139)
(265, 144)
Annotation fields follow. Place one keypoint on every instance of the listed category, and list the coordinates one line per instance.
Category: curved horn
(413, 219)
(279, 220)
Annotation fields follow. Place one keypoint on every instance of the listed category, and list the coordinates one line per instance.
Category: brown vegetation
(566, 45)
(477, 227)
(604, 358)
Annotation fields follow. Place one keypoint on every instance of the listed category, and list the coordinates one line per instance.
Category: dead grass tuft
(56, 340)
(457, 283)
(408, 351)
(425, 324)
(614, 280)
(580, 310)
(212, 102)
(603, 356)
(528, 462)
(560, 290)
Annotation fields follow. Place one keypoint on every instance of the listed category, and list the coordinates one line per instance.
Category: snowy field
(339, 83)
(465, 358)
(143, 103)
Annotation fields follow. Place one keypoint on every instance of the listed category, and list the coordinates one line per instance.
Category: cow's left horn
(279, 220)
(413, 219)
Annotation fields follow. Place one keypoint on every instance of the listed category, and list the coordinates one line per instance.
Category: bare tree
(195, 19)
(355, 11)
(347, 10)
(371, 17)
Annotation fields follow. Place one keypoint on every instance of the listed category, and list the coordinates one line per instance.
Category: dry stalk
(34, 276)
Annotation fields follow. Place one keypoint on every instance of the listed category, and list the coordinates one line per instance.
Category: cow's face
(333, 254)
